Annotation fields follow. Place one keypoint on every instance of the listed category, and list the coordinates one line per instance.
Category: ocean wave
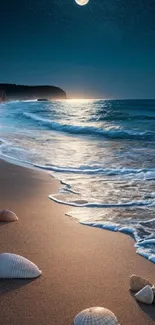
(3, 142)
(118, 198)
(91, 130)
(90, 170)
(121, 117)
(140, 203)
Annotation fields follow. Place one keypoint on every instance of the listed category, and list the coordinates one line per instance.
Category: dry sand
(82, 266)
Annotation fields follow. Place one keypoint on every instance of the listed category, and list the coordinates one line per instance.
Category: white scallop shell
(7, 216)
(146, 295)
(15, 266)
(96, 316)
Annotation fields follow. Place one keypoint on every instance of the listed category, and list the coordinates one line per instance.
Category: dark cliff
(19, 92)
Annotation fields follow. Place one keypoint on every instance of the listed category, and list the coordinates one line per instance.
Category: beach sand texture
(82, 266)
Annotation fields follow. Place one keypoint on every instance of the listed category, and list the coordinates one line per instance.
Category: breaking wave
(91, 130)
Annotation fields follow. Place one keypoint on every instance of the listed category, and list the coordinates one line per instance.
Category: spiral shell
(15, 267)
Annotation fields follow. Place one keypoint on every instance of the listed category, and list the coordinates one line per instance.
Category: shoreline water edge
(81, 266)
(131, 215)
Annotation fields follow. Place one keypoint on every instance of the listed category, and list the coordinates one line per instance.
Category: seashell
(137, 282)
(153, 289)
(15, 266)
(7, 216)
(96, 316)
(145, 295)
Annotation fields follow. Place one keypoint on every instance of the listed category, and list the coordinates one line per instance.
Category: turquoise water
(102, 151)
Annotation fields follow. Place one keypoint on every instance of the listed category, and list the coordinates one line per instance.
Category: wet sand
(82, 266)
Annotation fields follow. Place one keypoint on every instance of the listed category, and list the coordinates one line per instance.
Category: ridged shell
(7, 216)
(96, 316)
(15, 266)
(137, 282)
(145, 295)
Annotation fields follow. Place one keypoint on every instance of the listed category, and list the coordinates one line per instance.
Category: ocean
(103, 153)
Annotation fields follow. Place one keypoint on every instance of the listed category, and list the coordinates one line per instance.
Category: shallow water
(103, 152)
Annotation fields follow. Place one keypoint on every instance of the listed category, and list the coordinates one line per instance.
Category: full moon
(81, 2)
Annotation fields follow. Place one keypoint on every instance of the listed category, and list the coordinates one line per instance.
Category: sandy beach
(82, 266)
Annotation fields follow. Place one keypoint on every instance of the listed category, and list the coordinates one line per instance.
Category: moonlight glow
(81, 2)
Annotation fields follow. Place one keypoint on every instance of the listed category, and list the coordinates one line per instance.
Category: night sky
(105, 49)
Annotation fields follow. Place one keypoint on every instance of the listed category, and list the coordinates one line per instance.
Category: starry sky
(105, 49)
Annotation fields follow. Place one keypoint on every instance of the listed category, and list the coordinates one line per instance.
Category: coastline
(82, 266)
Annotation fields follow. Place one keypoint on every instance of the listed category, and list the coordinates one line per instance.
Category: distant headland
(20, 92)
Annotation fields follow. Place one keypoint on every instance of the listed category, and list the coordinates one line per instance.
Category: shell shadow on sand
(2, 223)
(149, 310)
(8, 285)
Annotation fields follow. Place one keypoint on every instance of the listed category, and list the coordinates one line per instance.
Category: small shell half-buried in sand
(146, 295)
(96, 316)
(7, 216)
(15, 267)
(137, 282)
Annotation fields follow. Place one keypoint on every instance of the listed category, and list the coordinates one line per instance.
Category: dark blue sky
(105, 49)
